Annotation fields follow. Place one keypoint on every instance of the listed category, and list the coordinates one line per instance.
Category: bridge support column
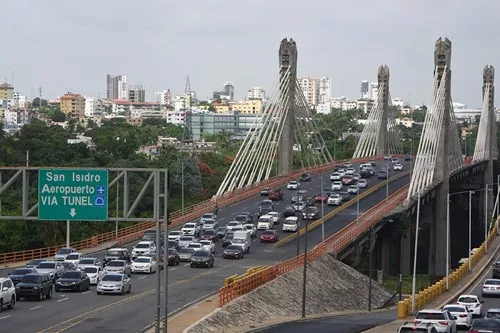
(405, 254)
(490, 144)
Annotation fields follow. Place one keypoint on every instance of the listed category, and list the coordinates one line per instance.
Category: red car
(347, 180)
(269, 235)
(210, 235)
(322, 197)
(276, 194)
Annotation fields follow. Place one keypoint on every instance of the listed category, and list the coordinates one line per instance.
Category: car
(118, 267)
(243, 218)
(297, 197)
(387, 157)
(362, 183)
(299, 206)
(249, 216)
(411, 327)
(143, 247)
(210, 225)
(353, 189)
(7, 293)
(288, 211)
(252, 228)
(276, 194)
(496, 270)
(69, 266)
(174, 235)
(341, 172)
(398, 167)
(231, 225)
(52, 268)
(17, 274)
(207, 245)
(73, 280)
(195, 246)
(350, 171)
(35, 285)
(265, 207)
(185, 253)
(473, 302)
(321, 197)
(94, 273)
(493, 314)
(335, 176)
(337, 186)
(290, 223)
(462, 314)
(114, 284)
(383, 175)
(372, 162)
(150, 235)
(191, 229)
(293, 185)
(347, 164)
(171, 244)
(345, 196)
(74, 258)
(63, 252)
(173, 257)
(311, 213)
(265, 191)
(334, 199)
(491, 287)
(186, 240)
(269, 236)
(210, 235)
(221, 232)
(116, 254)
(228, 239)
(408, 157)
(233, 252)
(89, 262)
(394, 160)
(305, 177)
(275, 216)
(365, 165)
(356, 176)
(265, 222)
(442, 320)
(208, 216)
(366, 173)
(485, 325)
(33, 263)
(143, 265)
(347, 180)
(202, 258)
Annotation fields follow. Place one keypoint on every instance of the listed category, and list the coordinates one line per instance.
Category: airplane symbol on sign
(100, 189)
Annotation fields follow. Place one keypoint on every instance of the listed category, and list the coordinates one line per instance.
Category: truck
(242, 238)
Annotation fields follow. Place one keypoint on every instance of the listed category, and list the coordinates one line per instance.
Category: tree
(36, 102)
(211, 108)
(59, 117)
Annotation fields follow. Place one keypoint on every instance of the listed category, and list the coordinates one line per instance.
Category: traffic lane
(340, 324)
(476, 289)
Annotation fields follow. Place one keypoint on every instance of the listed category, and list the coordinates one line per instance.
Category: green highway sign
(73, 194)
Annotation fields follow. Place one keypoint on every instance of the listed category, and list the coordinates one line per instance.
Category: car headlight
(35, 288)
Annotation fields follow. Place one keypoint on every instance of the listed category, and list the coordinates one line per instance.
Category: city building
(338, 101)
(325, 90)
(349, 105)
(364, 105)
(136, 94)
(365, 90)
(18, 101)
(256, 93)
(373, 90)
(324, 108)
(134, 121)
(406, 110)
(407, 122)
(177, 117)
(398, 102)
(93, 107)
(253, 106)
(182, 102)
(310, 89)
(73, 105)
(136, 109)
(229, 90)
(116, 87)
(163, 97)
(235, 123)
(463, 113)
(6, 91)
(17, 116)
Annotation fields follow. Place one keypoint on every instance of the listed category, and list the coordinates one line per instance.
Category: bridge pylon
(380, 135)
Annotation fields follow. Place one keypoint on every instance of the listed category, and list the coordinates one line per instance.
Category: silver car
(186, 240)
(114, 284)
(118, 267)
(52, 268)
(491, 287)
(185, 253)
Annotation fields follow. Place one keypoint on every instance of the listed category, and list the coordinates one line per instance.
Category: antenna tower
(187, 88)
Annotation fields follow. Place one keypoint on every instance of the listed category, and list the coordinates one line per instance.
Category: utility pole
(304, 277)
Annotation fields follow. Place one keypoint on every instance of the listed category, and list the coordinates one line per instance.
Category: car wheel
(178, 262)
(129, 289)
(99, 293)
(80, 287)
(150, 270)
(1, 305)
(49, 295)
(123, 291)
(40, 295)
(57, 289)
(12, 302)
(192, 265)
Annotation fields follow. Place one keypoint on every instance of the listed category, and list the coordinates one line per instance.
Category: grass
(392, 282)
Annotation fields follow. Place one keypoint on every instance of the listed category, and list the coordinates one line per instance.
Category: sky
(67, 45)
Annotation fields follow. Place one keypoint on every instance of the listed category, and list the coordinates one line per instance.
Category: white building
(365, 89)
(10, 116)
(256, 93)
(349, 105)
(116, 87)
(163, 97)
(181, 102)
(373, 90)
(324, 108)
(93, 107)
(325, 89)
(176, 117)
(338, 101)
(462, 112)
(398, 102)
(364, 105)
(17, 101)
(134, 109)
(310, 89)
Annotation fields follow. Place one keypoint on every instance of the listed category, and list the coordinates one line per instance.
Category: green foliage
(36, 102)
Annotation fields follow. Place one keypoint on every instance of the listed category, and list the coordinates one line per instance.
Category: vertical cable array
(481, 151)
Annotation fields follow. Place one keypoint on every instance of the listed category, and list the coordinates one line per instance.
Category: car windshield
(86, 262)
(229, 235)
(142, 246)
(208, 222)
(71, 275)
(240, 218)
(467, 299)
(175, 233)
(266, 204)
(30, 278)
(209, 232)
(194, 246)
(115, 253)
(486, 324)
(36, 261)
(90, 270)
(186, 250)
(45, 265)
(430, 315)
(249, 226)
(455, 308)
(21, 271)
(290, 222)
(64, 251)
(292, 183)
(233, 223)
(201, 254)
(116, 263)
(413, 330)
(205, 242)
(73, 257)
(148, 260)
(493, 315)
(186, 239)
(206, 216)
(264, 219)
(189, 225)
(111, 277)
(221, 228)
(492, 282)
(67, 265)
(268, 232)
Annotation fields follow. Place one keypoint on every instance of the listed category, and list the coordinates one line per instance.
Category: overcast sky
(66, 45)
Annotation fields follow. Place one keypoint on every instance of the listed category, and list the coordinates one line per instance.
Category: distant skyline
(71, 46)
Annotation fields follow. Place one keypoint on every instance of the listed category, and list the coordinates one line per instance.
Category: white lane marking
(62, 300)
(36, 307)
(186, 265)
(142, 277)
(86, 292)
(172, 269)
(4, 317)
(62, 295)
(254, 241)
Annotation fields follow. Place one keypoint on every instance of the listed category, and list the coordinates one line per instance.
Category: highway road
(86, 312)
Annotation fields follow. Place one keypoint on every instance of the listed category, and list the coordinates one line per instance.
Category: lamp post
(470, 228)
(322, 212)
(415, 255)
(370, 272)
(305, 267)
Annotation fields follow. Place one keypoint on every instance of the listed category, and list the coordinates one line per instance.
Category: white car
(195, 246)
(337, 186)
(94, 273)
(74, 258)
(353, 189)
(441, 319)
(398, 167)
(491, 287)
(207, 216)
(252, 228)
(208, 246)
(191, 229)
(362, 183)
(7, 293)
(186, 240)
(334, 199)
(143, 247)
(291, 223)
(265, 222)
(473, 302)
(275, 217)
(210, 224)
(174, 235)
(350, 171)
(335, 176)
(232, 225)
(462, 314)
(341, 172)
(293, 185)
(143, 265)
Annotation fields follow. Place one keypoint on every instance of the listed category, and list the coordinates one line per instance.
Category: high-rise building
(325, 90)
(136, 94)
(365, 90)
(73, 105)
(6, 91)
(229, 90)
(93, 107)
(116, 87)
(256, 93)
(316, 90)
(163, 97)
(373, 90)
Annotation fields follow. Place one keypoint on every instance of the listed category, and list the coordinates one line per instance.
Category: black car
(408, 157)
(73, 280)
(202, 259)
(34, 285)
(305, 177)
(248, 214)
(312, 213)
(265, 207)
(383, 175)
(485, 325)
(289, 211)
(221, 232)
(265, 191)
(173, 257)
(17, 274)
(116, 254)
(228, 239)
(173, 245)
(309, 201)
(345, 196)
(33, 263)
(496, 270)
(366, 173)
(243, 218)
(233, 252)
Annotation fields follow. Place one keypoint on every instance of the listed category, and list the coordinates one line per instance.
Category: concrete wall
(331, 287)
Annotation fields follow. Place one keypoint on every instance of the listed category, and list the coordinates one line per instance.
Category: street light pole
(370, 272)
(415, 255)
(447, 239)
(470, 229)
(486, 219)
(357, 207)
(322, 212)
(305, 268)
(117, 204)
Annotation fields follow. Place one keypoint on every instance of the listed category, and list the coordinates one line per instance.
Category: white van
(291, 223)
(243, 239)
